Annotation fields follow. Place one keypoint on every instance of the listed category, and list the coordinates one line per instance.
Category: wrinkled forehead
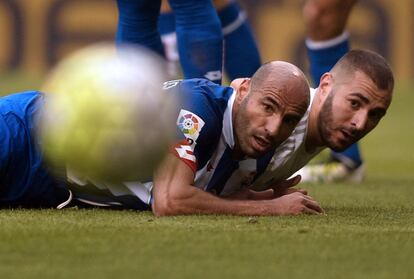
(293, 97)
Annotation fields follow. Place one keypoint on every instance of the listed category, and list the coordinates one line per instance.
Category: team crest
(190, 124)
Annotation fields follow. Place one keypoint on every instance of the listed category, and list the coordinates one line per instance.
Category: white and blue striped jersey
(204, 142)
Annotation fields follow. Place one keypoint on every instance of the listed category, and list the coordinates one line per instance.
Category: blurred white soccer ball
(106, 116)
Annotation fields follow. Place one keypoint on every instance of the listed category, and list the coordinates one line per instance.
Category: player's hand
(284, 187)
(278, 189)
(296, 203)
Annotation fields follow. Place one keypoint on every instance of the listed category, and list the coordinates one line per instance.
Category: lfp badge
(190, 124)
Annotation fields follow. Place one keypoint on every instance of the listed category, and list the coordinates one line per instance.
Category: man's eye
(354, 104)
(375, 116)
(268, 108)
(291, 121)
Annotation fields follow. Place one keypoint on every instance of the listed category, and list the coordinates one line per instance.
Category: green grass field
(367, 232)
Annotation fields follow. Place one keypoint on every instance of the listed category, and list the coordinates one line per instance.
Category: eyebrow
(382, 111)
(362, 97)
(272, 100)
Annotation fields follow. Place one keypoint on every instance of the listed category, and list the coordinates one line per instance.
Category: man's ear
(235, 83)
(325, 84)
(242, 89)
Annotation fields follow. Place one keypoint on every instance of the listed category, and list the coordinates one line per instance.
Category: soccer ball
(105, 115)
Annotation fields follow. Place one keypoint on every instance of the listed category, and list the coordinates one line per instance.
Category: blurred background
(35, 34)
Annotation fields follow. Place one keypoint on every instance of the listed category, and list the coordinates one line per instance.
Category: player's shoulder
(202, 109)
(20, 100)
(24, 95)
(192, 82)
(202, 98)
(15, 135)
(198, 88)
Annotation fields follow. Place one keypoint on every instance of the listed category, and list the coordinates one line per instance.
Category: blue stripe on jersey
(263, 161)
(225, 168)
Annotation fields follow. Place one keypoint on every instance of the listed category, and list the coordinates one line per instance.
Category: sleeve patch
(190, 124)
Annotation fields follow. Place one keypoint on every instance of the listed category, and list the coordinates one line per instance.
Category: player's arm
(174, 194)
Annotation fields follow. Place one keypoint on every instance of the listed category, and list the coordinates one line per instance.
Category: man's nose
(359, 121)
(273, 126)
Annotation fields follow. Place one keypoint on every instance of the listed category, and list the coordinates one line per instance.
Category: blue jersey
(204, 142)
(24, 179)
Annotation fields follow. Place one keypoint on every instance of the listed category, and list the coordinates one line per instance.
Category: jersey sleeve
(189, 126)
(198, 124)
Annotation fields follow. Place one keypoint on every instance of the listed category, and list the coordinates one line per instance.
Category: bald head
(268, 107)
(282, 77)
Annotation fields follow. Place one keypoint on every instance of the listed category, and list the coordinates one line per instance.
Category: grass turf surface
(367, 232)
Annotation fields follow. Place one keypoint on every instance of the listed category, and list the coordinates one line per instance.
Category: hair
(371, 64)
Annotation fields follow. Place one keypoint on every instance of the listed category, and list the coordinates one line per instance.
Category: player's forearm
(236, 207)
(196, 201)
(174, 195)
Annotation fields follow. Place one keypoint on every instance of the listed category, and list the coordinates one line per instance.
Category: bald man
(251, 118)
(226, 135)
